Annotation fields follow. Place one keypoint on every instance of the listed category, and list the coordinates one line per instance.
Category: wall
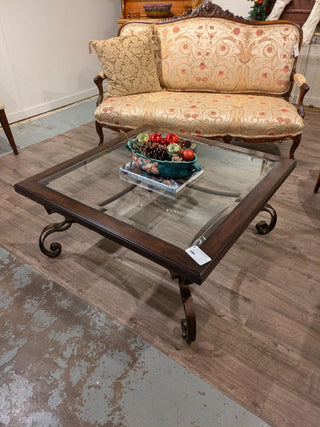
(237, 7)
(43, 49)
(44, 60)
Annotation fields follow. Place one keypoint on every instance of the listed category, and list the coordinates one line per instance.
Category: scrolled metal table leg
(188, 324)
(55, 247)
(262, 226)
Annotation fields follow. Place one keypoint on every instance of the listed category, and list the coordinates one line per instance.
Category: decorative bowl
(163, 168)
(157, 10)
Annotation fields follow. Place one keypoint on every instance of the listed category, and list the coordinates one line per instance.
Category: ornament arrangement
(166, 156)
(258, 10)
(157, 10)
(156, 147)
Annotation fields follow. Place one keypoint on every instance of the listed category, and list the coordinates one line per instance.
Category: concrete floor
(65, 363)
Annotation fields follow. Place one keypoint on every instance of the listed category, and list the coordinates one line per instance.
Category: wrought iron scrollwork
(55, 247)
(262, 226)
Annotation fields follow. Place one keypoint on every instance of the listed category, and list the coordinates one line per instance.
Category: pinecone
(184, 143)
(153, 150)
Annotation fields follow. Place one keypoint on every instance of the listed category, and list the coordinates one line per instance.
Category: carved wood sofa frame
(209, 9)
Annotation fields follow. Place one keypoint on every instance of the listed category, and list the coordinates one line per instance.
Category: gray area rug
(37, 129)
(65, 363)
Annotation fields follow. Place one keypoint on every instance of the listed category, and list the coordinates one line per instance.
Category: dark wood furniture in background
(6, 127)
(133, 9)
(296, 11)
(214, 211)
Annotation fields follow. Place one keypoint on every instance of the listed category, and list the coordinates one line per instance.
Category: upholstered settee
(204, 73)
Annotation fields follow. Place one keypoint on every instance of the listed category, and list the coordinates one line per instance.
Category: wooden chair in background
(6, 127)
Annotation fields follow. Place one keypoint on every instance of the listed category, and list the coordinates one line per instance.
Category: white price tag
(198, 255)
(296, 50)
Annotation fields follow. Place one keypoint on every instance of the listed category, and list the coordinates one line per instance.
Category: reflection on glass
(188, 218)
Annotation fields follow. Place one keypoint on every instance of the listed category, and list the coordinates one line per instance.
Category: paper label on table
(198, 255)
(296, 50)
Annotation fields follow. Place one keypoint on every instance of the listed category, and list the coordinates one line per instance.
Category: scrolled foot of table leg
(262, 226)
(55, 247)
(188, 325)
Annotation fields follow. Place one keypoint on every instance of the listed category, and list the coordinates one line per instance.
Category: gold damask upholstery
(137, 27)
(134, 28)
(300, 79)
(219, 55)
(201, 113)
(128, 63)
(220, 75)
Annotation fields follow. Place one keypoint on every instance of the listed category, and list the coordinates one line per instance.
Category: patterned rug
(65, 363)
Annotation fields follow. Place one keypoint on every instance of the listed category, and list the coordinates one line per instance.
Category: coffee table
(207, 215)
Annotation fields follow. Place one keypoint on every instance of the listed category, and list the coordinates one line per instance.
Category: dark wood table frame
(176, 260)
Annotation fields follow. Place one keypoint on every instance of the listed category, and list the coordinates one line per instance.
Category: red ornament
(188, 155)
(171, 138)
(156, 137)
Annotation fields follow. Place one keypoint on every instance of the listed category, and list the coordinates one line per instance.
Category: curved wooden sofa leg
(227, 139)
(99, 132)
(296, 141)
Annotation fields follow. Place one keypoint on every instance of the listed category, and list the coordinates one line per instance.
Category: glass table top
(182, 220)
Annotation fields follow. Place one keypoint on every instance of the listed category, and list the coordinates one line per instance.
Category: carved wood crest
(208, 9)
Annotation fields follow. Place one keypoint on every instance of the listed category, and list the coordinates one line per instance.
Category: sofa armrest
(99, 82)
(304, 87)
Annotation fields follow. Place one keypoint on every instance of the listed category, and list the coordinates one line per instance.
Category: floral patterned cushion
(137, 27)
(206, 114)
(128, 63)
(222, 55)
(215, 54)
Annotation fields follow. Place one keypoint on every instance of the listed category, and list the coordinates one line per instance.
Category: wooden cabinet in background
(133, 9)
(296, 11)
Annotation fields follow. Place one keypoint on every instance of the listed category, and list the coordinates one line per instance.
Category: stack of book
(166, 186)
